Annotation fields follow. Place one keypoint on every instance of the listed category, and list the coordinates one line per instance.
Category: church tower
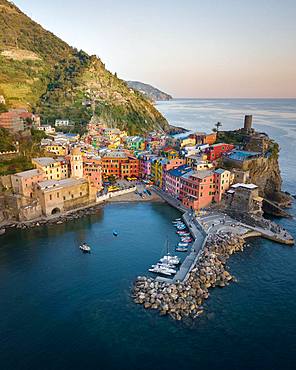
(76, 163)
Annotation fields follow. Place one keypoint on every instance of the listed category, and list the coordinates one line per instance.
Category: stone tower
(76, 163)
(248, 123)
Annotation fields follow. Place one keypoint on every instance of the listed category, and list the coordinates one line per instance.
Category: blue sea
(61, 309)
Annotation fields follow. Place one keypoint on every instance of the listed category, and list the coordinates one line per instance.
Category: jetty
(211, 223)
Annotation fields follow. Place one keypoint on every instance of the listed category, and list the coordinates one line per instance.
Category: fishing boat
(182, 244)
(85, 248)
(181, 249)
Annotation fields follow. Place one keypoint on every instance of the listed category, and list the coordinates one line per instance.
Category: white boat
(171, 260)
(168, 259)
(85, 248)
(160, 270)
(168, 268)
(178, 219)
(182, 244)
(181, 249)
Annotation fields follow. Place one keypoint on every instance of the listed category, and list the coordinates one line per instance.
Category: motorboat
(182, 244)
(160, 270)
(181, 249)
(186, 240)
(85, 248)
(115, 233)
(169, 268)
(171, 260)
(178, 219)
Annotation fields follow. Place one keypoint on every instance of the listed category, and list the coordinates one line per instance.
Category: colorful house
(215, 151)
(173, 179)
(200, 188)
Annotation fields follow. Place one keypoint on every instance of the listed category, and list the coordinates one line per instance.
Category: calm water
(64, 310)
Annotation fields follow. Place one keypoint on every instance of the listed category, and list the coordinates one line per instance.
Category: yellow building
(56, 196)
(57, 149)
(188, 141)
(54, 169)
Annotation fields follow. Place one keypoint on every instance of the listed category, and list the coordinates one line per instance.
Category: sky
(188, 48)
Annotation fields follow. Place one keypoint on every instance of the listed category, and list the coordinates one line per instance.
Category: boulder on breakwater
(185, 299)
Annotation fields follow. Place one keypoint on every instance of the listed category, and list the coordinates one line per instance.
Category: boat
(183, 234)
(168, 268)
(181, 249)
(168, 259)
(178, 219)
(160, 270)
(186, 240)
(85, 248)
(181, 227)
(171, 260)
(182, 244)
(115, 233)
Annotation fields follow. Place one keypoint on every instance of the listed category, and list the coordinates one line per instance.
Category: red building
(215, 151)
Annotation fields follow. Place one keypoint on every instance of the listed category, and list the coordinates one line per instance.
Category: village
(190, 167)
(206, 179)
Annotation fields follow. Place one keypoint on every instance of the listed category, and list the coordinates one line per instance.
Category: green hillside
(41, 72)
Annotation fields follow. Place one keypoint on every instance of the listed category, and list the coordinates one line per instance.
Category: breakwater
(185, 299)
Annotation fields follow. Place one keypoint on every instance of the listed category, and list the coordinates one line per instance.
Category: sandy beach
(132, 197)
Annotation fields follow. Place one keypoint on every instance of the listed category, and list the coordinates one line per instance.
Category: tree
(217, 126)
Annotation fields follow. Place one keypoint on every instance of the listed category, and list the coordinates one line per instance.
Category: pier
(212, 223)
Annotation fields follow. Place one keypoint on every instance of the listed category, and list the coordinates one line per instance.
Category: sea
(61, 309)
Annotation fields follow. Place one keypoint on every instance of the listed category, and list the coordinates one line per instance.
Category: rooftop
(220, 171)
(46, 161)
(246, 186)
(59, 184)
(180, 171)
(28, 174)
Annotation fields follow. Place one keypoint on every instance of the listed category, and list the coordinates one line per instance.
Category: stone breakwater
(183, 300)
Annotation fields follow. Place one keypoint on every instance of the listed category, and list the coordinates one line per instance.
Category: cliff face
(265, 173)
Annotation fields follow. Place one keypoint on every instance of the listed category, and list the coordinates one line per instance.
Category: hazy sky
(189, 48)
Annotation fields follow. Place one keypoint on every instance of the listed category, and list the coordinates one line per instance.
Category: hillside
(149, 91)
(41, 72)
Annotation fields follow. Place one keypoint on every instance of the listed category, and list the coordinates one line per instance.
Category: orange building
(210, 138)
(120, 164)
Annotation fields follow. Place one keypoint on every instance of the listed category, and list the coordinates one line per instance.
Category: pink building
(173, 180)
(170, 165)
(200, 188)
(23, 183)
(92, 171)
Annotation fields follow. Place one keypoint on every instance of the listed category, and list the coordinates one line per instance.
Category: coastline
(77, 213)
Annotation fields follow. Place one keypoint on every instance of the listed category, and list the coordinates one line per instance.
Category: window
(81, 193)
(50, 197)
(72, 196)
(58, 195)
(64, 197)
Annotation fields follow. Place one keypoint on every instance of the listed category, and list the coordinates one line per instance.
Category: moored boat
(182, 244)
(181, 249)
